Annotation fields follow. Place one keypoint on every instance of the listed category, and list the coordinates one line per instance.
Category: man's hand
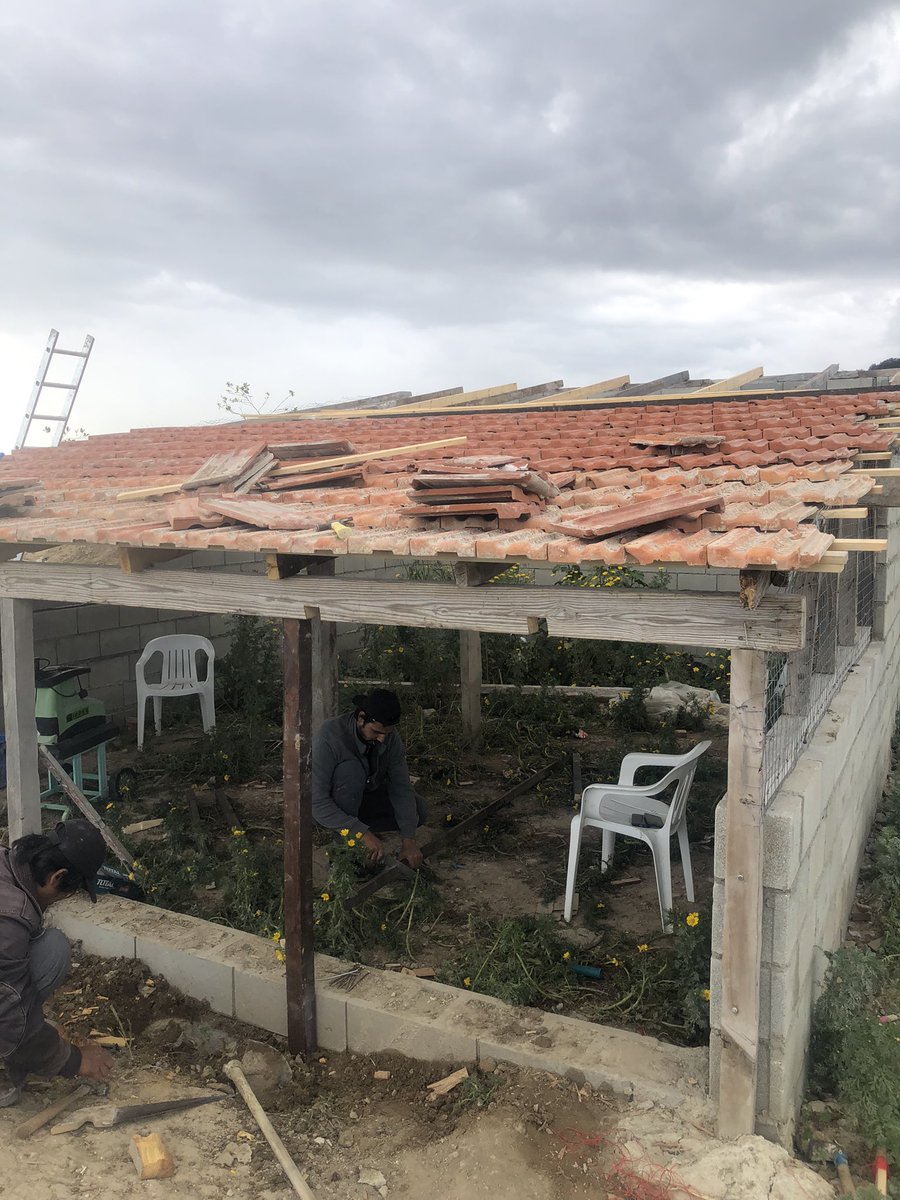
(375, 847)
(96, 1063)
(411, 854)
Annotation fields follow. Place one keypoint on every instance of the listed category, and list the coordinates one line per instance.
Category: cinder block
(138, 616)
(804, 784)
(782, 840)
(93, 618)
(83, 647)
(410, 1029)
(260, 998)
(686, 581)
(728, 583)
(721, 825)
(52, 623)
(97, 936)
(108, 671)
(196, 624)
(190, 970)
(120, 641)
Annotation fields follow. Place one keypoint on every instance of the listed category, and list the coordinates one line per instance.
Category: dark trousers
(376, 811)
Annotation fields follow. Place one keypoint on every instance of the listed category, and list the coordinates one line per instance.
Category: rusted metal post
(298, 888)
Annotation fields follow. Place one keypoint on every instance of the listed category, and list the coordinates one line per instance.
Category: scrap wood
(85, 807)
(108, 1040)
(254, 473)
(349, 476)
(143, 826)
(637, 513)
(235, 1073)
(448, 1083)
(151, 1157)
(367, 456)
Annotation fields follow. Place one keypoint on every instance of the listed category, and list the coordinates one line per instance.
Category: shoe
(10, 1095)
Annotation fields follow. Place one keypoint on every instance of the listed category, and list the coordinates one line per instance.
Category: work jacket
(343, 771)
(28, 1043)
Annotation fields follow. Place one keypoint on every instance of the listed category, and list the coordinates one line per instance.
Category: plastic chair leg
(207, 711)
(606, 853)
(685, 847)
(572, 869)
(662, 865)
(157, 714)
(142, 712)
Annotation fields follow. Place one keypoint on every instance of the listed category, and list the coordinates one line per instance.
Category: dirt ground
(501, 1133)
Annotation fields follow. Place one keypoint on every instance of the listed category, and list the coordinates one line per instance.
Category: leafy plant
(520, 960)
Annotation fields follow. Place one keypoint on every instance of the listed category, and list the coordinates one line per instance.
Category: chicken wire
(840, 610)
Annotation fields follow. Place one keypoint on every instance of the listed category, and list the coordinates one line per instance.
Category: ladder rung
(72, 353)
(46, 417)
(70, 387)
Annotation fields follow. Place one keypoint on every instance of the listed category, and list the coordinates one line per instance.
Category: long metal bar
(439, 844)
(298, 888)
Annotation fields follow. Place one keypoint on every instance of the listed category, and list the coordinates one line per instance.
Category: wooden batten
(22, 775)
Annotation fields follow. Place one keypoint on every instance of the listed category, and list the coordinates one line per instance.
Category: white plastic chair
(609, 806)
(179, 677)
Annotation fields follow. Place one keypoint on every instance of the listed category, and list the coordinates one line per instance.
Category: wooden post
(742, 940)
(324, 656)
(298, 893)
(23, 782)
(470, 678)
(471, 675)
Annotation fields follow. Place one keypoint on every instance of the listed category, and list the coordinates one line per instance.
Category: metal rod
(298, 889)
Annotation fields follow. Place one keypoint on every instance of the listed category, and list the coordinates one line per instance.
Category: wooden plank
(873, 456)
(85, 807)
(470, 665)
(460, 399)
(731, 384)
(298, 842)
(613, 614)
(196, 824)
(845, 514)
(224, 467)
(876, 472)
(285, 566)
(448, 837)
(23, 783)
(572, 395)
(743, 901)
(860, 545)
(321, 464)
(324, 655)
(163, 489)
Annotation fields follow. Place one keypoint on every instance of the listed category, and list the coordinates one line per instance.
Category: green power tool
(63, 709)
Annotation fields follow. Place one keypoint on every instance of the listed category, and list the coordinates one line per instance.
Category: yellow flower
(351, 841)
(344, 832)
(325, 896)
(109, 806)
(449, 816)
(567, 954)
(705, 994)
(613, 962)
(467, 982)
(485, 828)
(383, 926)
(643, 948)
(276, 936)
(237, 833)
(279, 954)
(226, 778)
(357, 834)
(692, 919)
(600, 904)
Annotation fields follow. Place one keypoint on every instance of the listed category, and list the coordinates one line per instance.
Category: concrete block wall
(814, 835)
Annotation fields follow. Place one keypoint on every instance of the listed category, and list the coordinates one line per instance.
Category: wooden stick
(862, 545)
(287, 1164)
(321, 464)
(845, 514)
(46, 1115)
(85, 807)
(143, 493)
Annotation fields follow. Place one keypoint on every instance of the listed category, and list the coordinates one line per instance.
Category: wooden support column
(742, 940)
(298, 847)
(470, 667)
(324, 655)
(23, 783)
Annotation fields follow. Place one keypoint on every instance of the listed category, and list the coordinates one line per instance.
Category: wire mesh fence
(840, 611)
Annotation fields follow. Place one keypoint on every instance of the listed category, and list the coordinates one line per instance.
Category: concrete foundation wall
(814, 834)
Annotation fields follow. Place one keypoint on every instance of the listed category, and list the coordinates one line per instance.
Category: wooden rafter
(731, 384)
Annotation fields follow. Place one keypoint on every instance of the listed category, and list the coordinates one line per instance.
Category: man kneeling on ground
(360, 779)
(37, 871)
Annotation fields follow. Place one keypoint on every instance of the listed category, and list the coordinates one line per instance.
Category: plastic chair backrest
(179, 656)
(684, 774)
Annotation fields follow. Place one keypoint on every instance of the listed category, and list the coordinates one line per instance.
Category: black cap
(380, 705)
(83, 847)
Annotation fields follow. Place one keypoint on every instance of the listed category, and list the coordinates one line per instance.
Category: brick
(120, 641)
(55, 623)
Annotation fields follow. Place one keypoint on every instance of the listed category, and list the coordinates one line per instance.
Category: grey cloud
(438, 164)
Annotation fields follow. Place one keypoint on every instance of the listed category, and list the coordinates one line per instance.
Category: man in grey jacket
(360, 780)
(37, 871)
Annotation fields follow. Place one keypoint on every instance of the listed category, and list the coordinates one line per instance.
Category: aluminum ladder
(59, 419)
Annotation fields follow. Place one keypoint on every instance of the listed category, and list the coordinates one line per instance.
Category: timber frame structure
(301, 592)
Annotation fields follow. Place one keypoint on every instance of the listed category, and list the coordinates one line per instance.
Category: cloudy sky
(358, 196)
